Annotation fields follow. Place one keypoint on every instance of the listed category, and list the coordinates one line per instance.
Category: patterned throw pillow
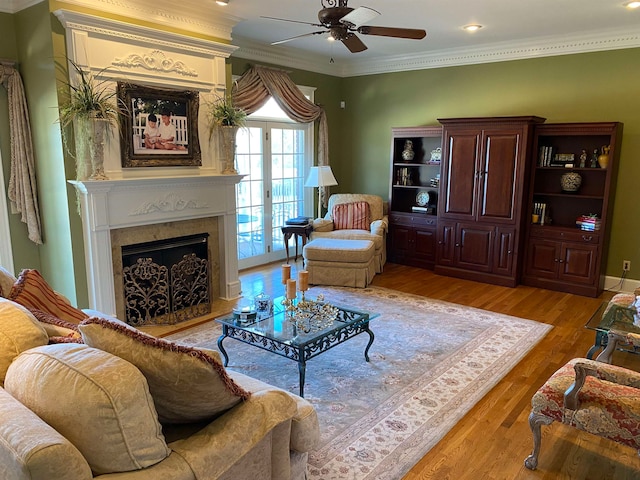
(350, 216)
(6, 281)
(187, 384)
(32, 291)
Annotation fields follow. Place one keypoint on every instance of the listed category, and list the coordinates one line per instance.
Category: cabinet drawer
(551, 233)
(412, 220)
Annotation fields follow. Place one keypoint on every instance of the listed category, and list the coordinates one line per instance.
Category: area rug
(430, 363)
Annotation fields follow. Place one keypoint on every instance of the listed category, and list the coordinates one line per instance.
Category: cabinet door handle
(457, 244)
(587, 238)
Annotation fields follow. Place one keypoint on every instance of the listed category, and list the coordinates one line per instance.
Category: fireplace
(122, 212)
(166, 281)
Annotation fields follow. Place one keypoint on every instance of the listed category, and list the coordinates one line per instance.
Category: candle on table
(303, 280)
(291, 289)
(286, 273)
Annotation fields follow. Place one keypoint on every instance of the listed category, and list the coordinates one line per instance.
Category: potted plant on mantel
(92, 108)
(225, 119)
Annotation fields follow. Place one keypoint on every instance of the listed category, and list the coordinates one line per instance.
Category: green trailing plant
(223, 113)
(88, 99)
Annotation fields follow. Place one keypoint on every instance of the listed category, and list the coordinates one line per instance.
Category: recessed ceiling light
(222, 2)
(634, 4)
(472, 28)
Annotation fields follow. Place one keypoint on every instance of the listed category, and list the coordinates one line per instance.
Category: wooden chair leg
(535, 422)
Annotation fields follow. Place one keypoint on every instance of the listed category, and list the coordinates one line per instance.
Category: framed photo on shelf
(159, 127)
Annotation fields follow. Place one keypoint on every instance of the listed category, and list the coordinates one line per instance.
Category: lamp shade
(320, 177)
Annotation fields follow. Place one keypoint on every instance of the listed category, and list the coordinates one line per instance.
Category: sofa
(373, 227)
(83, 396)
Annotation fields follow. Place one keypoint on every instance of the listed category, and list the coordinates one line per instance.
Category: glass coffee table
(612, 323)
(298, 337)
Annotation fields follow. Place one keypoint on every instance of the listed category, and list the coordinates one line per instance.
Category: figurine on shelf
(408, 153)
(583, 159)
(594, 159)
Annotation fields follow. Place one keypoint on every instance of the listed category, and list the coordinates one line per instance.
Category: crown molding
(498, 52)
(14, 6)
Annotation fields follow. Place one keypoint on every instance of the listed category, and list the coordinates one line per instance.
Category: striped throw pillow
(350, 216)
(33, 292)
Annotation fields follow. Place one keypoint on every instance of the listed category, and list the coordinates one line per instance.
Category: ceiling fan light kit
(343, 22)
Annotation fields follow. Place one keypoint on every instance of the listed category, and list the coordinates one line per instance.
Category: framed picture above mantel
(159, 127)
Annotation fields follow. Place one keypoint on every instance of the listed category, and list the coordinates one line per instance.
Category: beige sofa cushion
(29, 448)
(187, 384)
(96, 400)
(19, 331)
(6, 282)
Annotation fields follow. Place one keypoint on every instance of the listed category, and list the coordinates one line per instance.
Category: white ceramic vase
(90, 134)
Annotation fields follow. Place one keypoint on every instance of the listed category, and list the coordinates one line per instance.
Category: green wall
(591, 87)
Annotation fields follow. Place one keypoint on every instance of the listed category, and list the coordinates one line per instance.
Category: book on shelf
(418, 209)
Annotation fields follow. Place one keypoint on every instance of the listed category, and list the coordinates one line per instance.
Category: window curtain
(257, 84)
(23, 191)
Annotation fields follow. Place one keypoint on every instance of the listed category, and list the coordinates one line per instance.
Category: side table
(612, 324)
(303, 231)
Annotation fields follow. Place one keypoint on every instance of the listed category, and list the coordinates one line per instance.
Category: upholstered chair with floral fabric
(592, 396)
(356, 216)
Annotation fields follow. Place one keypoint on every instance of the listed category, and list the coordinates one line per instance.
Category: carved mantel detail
(155, 60)
(170, 203)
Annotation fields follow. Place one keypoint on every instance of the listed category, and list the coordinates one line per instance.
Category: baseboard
(617, 284)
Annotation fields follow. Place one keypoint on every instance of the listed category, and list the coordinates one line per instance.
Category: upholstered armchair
(356, 216)
(591, 396)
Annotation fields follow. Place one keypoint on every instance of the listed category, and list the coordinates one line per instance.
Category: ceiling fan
(343, 22)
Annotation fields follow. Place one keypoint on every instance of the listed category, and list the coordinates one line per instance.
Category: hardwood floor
(493, 439)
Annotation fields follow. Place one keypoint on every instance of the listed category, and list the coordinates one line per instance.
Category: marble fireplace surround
(129, 203)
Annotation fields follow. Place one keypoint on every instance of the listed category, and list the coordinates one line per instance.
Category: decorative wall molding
(169, 203)
(155, 60)
(498, 52)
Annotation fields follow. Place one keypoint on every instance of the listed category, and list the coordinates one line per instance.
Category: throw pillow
(32, 291)
(6, 282)
(55, 326)
(187, 384)
(351, 216)
(19, 331)
(97, 401)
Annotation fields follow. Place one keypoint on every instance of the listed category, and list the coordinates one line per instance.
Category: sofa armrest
(214, 449)
(322, 225)
(380, 227)
(31, 449)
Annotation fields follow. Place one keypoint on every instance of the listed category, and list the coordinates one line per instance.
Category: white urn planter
(227, 136)
(90, 134)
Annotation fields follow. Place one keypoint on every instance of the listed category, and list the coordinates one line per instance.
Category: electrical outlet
(626, 265)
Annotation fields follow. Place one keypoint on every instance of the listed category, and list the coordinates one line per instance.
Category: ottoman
(343, 263)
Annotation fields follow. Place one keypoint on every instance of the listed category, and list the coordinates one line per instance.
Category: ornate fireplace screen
(167, 281)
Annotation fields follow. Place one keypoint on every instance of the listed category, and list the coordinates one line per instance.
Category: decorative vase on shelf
(570, 182)
(90, 139)
(228, 146)
(603, 159)
(408, 154)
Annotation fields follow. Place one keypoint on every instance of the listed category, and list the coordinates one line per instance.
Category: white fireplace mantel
(111, 204)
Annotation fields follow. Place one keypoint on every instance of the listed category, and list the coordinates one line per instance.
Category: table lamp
(320, 176)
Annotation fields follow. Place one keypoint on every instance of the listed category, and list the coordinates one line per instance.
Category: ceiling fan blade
(359, 16)
(411, 33)
(353, 43)
(294, 21)
(298, 36)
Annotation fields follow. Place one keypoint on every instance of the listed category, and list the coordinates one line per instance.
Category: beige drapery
(257, 84)
(23, 191)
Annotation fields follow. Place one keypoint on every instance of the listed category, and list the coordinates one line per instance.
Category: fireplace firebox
(166, 281)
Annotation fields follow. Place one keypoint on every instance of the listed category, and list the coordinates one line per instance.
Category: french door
(274, 157)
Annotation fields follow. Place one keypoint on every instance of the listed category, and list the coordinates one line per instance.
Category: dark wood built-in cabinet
(412, 222)
(497, 210)
(484, 173)
(560, 255)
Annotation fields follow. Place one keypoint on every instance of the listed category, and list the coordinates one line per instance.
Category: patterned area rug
(431, 362)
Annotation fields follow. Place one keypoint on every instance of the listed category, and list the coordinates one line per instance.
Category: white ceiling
(511, 29)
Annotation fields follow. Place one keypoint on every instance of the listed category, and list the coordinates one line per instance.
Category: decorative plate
(422, 199)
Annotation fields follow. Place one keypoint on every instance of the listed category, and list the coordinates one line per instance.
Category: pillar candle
(291, 289)
(303, 280)
(286, 273)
